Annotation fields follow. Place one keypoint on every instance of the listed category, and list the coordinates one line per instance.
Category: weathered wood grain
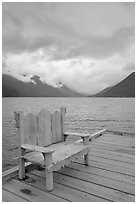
(116, 138)
(76, 134)
(26, 191)
(10, 197)
(104, 173)
(45, 129)
(36, 148)
(107, 156)
(110, 176)
(56, 127)
(110, 167)
(113, 153)
(63, 191)
(30, 129)
(94, 135)
(116, 146)
(49, 175)
(100, 180)
(63, 154)
(88, 187)
(121, 133)
(112, 162)
(62, 112)
(44, 125)
(21, 164)
(113, 148)
(113, 140)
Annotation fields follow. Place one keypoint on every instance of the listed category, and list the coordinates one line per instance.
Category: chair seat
(62, 151)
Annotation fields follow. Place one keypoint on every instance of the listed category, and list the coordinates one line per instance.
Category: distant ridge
(12, 87)
(125, 88)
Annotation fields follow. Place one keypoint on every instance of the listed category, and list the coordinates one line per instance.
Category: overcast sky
(86, 46)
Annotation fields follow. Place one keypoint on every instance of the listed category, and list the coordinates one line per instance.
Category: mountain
(12, 87)
(104, 90)
(69, 92)
(125, 88)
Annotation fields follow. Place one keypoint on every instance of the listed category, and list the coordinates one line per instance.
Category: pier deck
(109, 177)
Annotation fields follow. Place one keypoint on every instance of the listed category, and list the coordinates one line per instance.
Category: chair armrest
(43, 150)
(85, 137)
(82, 135)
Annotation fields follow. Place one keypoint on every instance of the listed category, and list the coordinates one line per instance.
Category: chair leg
(49, 175)
(21, 168)
(86, 159)
(49, 180)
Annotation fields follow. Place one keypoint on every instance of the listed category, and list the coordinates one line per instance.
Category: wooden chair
(44, 136)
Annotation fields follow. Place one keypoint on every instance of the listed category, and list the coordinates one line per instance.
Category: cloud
(99, 46)
(30, 26)
(84, 45)
(83, 74)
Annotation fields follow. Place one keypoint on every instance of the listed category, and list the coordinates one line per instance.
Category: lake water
(85, 115)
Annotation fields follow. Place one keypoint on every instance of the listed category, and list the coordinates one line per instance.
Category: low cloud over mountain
(13, 87)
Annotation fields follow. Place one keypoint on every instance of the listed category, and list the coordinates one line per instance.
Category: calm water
(83, 115)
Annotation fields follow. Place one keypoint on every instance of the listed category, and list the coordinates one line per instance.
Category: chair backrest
(42, 129)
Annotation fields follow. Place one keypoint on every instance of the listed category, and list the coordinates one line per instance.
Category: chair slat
(44, 124)
(62, 112)
(56, 127)
(30, 129)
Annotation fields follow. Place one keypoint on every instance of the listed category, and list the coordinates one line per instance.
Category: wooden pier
(109, 177)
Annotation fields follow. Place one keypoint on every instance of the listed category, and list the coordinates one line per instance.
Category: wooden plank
(63, 191)
(110, 136)
(44, 124)
(102, 172)
(119, 137)
(122, 133)
(56, 127)
(113, 153)
(75, 195)
(112, 162)
(98, 146)
(99, 142)
(100, 180)
(117, 141)
(125, 150)
(57, 165)
(76, 134)
(118, 144)
(109, 167)
(87, 187)
(62, 112)
(49, 175)
(65, 150)
(113, 157)
(63, 154)
(21, 163)
(10, 197)
(94, 135)
(35, 148)
(30, 129)
(19, 118)
(30, 193)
